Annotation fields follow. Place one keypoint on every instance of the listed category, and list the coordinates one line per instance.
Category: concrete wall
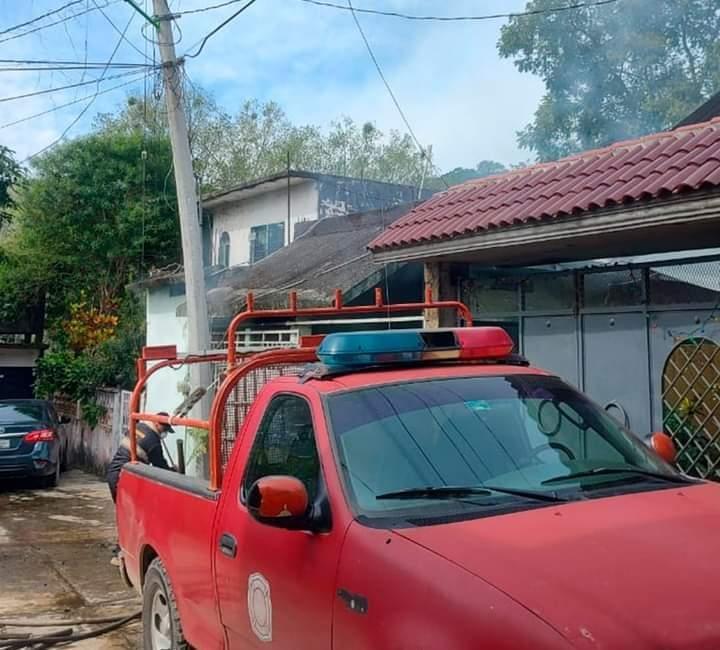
(92, 447)
(270, 207)
(164, 327)
(340, 196)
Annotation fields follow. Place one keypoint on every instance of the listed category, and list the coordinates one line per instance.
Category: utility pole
(197, 311)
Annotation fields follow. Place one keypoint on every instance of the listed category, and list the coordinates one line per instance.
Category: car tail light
(41, 435)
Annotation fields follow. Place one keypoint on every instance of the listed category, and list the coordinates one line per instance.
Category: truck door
(276, 585)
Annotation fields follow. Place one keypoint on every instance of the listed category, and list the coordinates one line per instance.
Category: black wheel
(161, 621)
(64, 461)
(54, 478)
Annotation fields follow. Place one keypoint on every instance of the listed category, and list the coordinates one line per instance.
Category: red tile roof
(657, 165)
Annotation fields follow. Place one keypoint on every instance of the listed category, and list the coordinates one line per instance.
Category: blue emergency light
(358, 349)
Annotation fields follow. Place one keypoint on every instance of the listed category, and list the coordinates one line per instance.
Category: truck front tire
(160, 617)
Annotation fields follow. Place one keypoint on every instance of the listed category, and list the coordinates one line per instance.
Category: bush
(79, 373)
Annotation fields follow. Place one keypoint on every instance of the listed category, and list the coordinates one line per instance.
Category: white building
(250, 221)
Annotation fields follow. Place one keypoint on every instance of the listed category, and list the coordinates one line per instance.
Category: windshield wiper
(598, 471)
(453, 491)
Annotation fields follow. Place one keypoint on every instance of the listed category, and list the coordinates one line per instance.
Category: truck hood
(634, 571)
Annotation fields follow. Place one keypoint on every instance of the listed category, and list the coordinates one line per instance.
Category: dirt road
(55, 550)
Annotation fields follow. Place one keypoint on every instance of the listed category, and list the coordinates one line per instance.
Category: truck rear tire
(161, 621)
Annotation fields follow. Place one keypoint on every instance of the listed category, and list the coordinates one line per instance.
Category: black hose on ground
(63, 637)
(78, 621)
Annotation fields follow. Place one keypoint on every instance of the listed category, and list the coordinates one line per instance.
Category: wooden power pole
(197, 311)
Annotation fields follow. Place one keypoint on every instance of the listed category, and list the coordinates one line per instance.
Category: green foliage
(255, 142)
(78, 375)
(615, 71)
(199, 438)
(462, 174)
(10, 174)
(93, 217)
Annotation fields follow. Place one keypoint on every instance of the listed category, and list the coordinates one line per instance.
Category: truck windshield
(530, 433)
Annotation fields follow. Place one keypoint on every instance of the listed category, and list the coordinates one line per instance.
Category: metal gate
(691, 405)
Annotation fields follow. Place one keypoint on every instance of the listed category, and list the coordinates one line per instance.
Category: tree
(614, 71)
(462, 174)
(10, 173)
(96, 213)
(255, 142)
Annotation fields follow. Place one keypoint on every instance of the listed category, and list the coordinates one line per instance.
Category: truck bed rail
(245, 374)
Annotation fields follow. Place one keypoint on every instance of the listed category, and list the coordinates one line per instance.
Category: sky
(458, 94)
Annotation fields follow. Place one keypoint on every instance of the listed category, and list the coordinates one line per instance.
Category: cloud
(458, 95)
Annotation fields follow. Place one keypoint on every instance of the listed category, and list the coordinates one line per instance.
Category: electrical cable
(519, 14)
(46, 91)
(64, 68)
(41, 16)
(247, 5)
(61, 106)
(117, 29)
(57, 22)
(423, 153)
(92, 99)
(209, 8)
(85, 40)
(99, 64)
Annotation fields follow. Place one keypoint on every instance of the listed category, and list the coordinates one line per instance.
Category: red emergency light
(357, 349)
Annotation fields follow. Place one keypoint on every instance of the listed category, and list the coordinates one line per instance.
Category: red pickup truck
(419, 490)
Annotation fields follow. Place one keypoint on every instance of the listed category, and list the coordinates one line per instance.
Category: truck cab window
(285, 445)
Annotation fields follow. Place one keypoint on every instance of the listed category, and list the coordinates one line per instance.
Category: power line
(219, 27)
(68, 67)
(117, 29)
(41, 16)
(57, 22)
(92, 99)
(99, 64)
(204, 9)
(423, 153)
(71, 103)
(518, 14)
(45, 91)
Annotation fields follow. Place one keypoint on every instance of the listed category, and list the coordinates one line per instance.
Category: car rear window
(21, 412)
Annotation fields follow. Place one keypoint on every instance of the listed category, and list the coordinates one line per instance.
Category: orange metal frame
(240, 365)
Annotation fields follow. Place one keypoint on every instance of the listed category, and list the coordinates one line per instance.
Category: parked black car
(31, 441)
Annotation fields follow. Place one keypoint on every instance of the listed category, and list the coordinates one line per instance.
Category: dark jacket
(149, 451)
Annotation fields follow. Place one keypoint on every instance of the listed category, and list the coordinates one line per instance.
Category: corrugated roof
(684, 160)
(331, 254)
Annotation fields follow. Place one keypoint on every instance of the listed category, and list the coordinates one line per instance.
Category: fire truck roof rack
(241, 364)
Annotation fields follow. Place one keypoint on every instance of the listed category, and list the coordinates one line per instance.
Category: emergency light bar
(359, 349)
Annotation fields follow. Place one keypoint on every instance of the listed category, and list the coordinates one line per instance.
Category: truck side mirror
(280, 501)
(663, 445)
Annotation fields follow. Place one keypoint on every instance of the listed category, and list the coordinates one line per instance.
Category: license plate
(4, 443)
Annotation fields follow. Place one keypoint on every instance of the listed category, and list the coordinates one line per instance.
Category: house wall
(340, 196)
(164, 327)
(270, 207)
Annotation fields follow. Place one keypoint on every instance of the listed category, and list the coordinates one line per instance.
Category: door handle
(228, 545)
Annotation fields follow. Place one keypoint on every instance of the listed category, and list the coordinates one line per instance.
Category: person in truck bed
(149, 451)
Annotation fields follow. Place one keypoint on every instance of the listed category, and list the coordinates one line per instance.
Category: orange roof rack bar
(337, 309)
(166, 356)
